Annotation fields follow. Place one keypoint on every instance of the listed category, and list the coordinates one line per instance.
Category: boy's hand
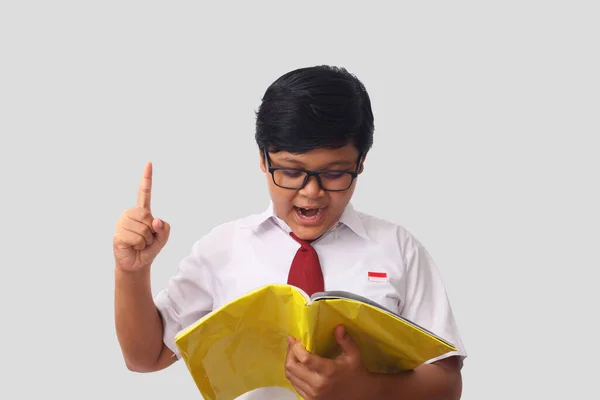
(316, 378)
(139, 236)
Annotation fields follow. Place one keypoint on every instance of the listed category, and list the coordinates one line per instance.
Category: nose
(312, 188)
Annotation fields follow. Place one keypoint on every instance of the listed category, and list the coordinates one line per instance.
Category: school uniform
(363, 254)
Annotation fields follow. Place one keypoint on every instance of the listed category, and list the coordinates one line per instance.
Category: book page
(341, 294)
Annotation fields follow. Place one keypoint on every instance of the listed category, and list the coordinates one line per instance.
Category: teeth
(301, 214)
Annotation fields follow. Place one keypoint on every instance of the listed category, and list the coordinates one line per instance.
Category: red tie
(305, 271)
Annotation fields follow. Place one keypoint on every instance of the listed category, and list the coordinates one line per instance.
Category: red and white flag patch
(378, 277)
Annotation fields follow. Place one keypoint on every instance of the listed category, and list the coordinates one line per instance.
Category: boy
(314, 129)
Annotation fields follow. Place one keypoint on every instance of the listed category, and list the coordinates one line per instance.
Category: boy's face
(311, 211)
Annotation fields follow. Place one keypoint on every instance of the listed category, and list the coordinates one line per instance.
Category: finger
(313, 362)
(345, 342)
(309, 375)
(298, 375)
(157, 224)
(301, 354)
(131, 239)
(163, 229)
(139, 228)
(289, 356)
(138, 216)
(292, 363)
(303, 389)
(141, 215)
(299, 371)
(347, 345)
(145, 187)
(291, 340)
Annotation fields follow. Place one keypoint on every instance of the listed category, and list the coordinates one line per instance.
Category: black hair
(315, 107)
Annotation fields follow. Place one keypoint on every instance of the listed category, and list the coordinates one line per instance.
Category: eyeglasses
(296, 178)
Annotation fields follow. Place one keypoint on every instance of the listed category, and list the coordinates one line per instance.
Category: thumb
(345, 342)
(162, 229)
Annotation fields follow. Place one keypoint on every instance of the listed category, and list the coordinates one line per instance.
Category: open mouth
(309, 214)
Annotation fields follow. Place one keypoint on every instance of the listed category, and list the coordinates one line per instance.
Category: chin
(308, 232)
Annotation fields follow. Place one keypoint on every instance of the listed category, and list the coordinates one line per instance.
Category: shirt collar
(349, 217)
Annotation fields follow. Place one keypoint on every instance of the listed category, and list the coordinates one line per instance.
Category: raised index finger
(145, 187)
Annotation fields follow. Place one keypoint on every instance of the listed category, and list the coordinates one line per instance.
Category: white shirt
(242, 255)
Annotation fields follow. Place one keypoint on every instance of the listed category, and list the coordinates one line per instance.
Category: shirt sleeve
(426, 301)
(187, 296)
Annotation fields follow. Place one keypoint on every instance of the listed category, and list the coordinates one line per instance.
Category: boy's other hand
(316, 378)
(139, 237)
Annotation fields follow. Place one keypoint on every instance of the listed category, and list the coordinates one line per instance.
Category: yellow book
(242, 346)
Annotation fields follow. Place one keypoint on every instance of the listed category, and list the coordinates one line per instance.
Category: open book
(242, 345)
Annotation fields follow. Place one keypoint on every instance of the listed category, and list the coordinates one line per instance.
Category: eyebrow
(329, 165)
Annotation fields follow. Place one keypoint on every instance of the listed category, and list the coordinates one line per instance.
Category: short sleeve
(426, 301)
(187, 296)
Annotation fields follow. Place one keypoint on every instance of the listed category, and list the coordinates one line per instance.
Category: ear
(362, 164)
(263, 165)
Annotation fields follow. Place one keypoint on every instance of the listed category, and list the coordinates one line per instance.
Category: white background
(487, 117)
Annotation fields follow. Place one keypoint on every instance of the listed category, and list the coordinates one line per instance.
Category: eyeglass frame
(309, 173)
